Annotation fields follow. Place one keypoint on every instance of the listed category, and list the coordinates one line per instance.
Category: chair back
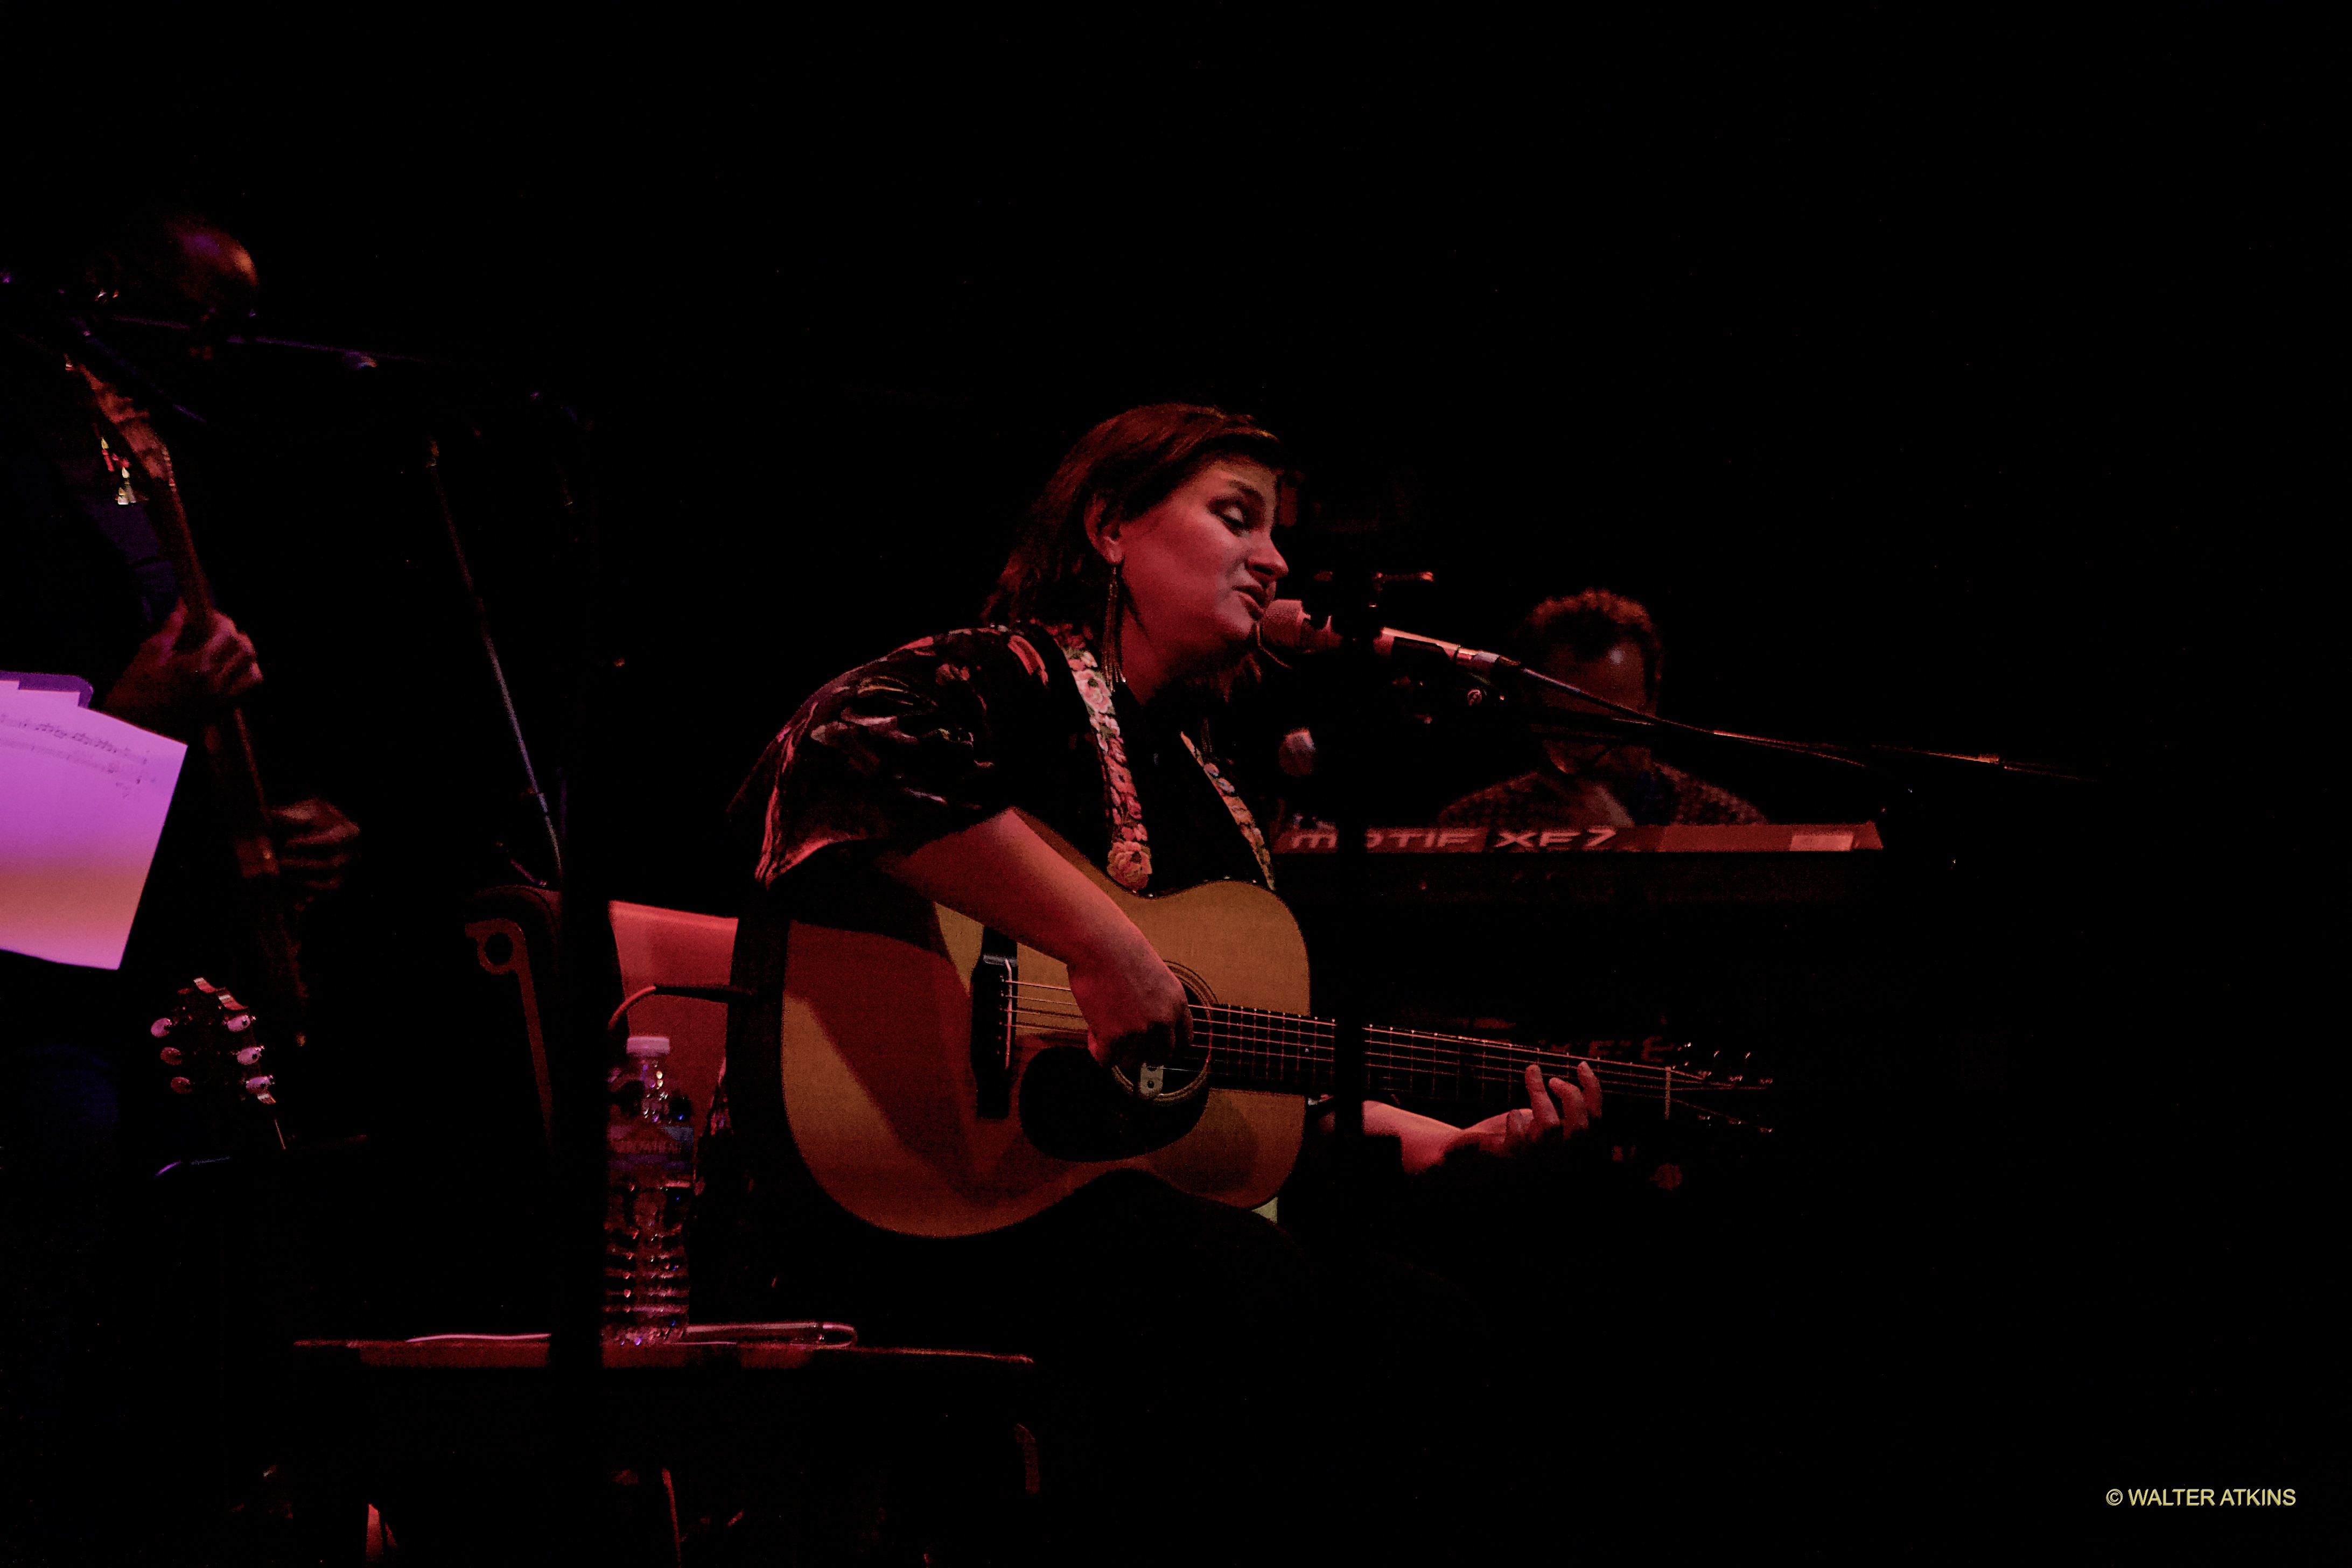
(514, 930)
(673, 947)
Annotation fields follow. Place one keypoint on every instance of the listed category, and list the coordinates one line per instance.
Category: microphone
(1286, 626)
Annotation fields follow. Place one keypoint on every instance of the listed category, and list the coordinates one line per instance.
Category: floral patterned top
(950, 729)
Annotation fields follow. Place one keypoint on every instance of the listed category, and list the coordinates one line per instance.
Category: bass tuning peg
(182, 1086)
(160, 1027)
(170, 1055)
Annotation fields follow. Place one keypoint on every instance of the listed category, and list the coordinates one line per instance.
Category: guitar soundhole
(1191, 1063)
(1197, 991)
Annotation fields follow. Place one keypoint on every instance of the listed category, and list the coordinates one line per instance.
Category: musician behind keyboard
(1605, 644)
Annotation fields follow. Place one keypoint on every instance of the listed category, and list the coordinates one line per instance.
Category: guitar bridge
(992, 981)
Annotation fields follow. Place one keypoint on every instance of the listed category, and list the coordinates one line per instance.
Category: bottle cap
(649, 1044)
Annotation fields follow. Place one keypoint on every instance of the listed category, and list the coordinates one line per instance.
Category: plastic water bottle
(648, 1191)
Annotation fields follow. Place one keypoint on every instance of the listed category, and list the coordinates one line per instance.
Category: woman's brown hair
(1120, 470)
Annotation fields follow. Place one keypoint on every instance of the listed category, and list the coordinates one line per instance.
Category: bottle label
(649, 1145)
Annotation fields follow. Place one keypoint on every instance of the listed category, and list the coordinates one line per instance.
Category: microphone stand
(1363, 1167)
(1349, 603)
(1632, 723)
(490, 653)
(134, 376)
(586, 825)
(1604, 719)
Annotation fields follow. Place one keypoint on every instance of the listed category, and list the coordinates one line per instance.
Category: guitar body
(885, 1101)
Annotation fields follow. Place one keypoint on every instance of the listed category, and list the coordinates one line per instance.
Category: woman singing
(1175, 1331)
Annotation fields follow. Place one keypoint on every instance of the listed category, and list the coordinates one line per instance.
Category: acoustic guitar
(937, 1082)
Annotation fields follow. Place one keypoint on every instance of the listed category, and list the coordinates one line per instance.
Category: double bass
(227, 740)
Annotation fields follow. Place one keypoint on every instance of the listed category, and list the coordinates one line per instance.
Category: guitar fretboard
(1254, 1048)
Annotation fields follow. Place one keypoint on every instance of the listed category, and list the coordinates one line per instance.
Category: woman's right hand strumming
(1135, 1008)
(1001, 874)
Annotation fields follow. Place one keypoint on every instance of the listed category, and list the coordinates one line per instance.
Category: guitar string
(1441, 1070)
(1448, 1084)
(1411, 1050)
(1426, 1066)
(1700, 1095)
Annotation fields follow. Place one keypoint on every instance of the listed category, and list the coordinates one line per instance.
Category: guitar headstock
(1719, 1067)
(130, 422)
(210, 1046)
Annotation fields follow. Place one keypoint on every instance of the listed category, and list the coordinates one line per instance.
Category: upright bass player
(94, 590)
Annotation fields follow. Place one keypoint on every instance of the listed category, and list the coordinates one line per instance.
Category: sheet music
(82, 801)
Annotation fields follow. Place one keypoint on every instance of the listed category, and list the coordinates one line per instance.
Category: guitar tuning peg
(160, 1027)
(170, 1055)
(259, 1088)
(250, 1055)
(239, 1024)
(182, 1086)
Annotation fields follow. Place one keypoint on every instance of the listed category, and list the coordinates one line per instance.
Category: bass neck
(228, 742)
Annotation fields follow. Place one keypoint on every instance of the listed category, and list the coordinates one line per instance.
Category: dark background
(1910, 423)
(1948, 404)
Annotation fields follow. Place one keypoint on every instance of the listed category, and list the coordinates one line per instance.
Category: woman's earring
(1110, 625)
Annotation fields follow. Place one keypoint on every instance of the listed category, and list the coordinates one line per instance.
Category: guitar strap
(1130, 843)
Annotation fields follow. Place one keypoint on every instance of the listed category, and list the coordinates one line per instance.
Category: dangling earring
(1110, 655)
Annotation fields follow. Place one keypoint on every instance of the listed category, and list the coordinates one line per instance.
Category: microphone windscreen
(1284, 625)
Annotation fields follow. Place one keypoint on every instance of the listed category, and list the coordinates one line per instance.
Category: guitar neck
(1240, 938)
(1257, 1049)
(1290, 1053)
